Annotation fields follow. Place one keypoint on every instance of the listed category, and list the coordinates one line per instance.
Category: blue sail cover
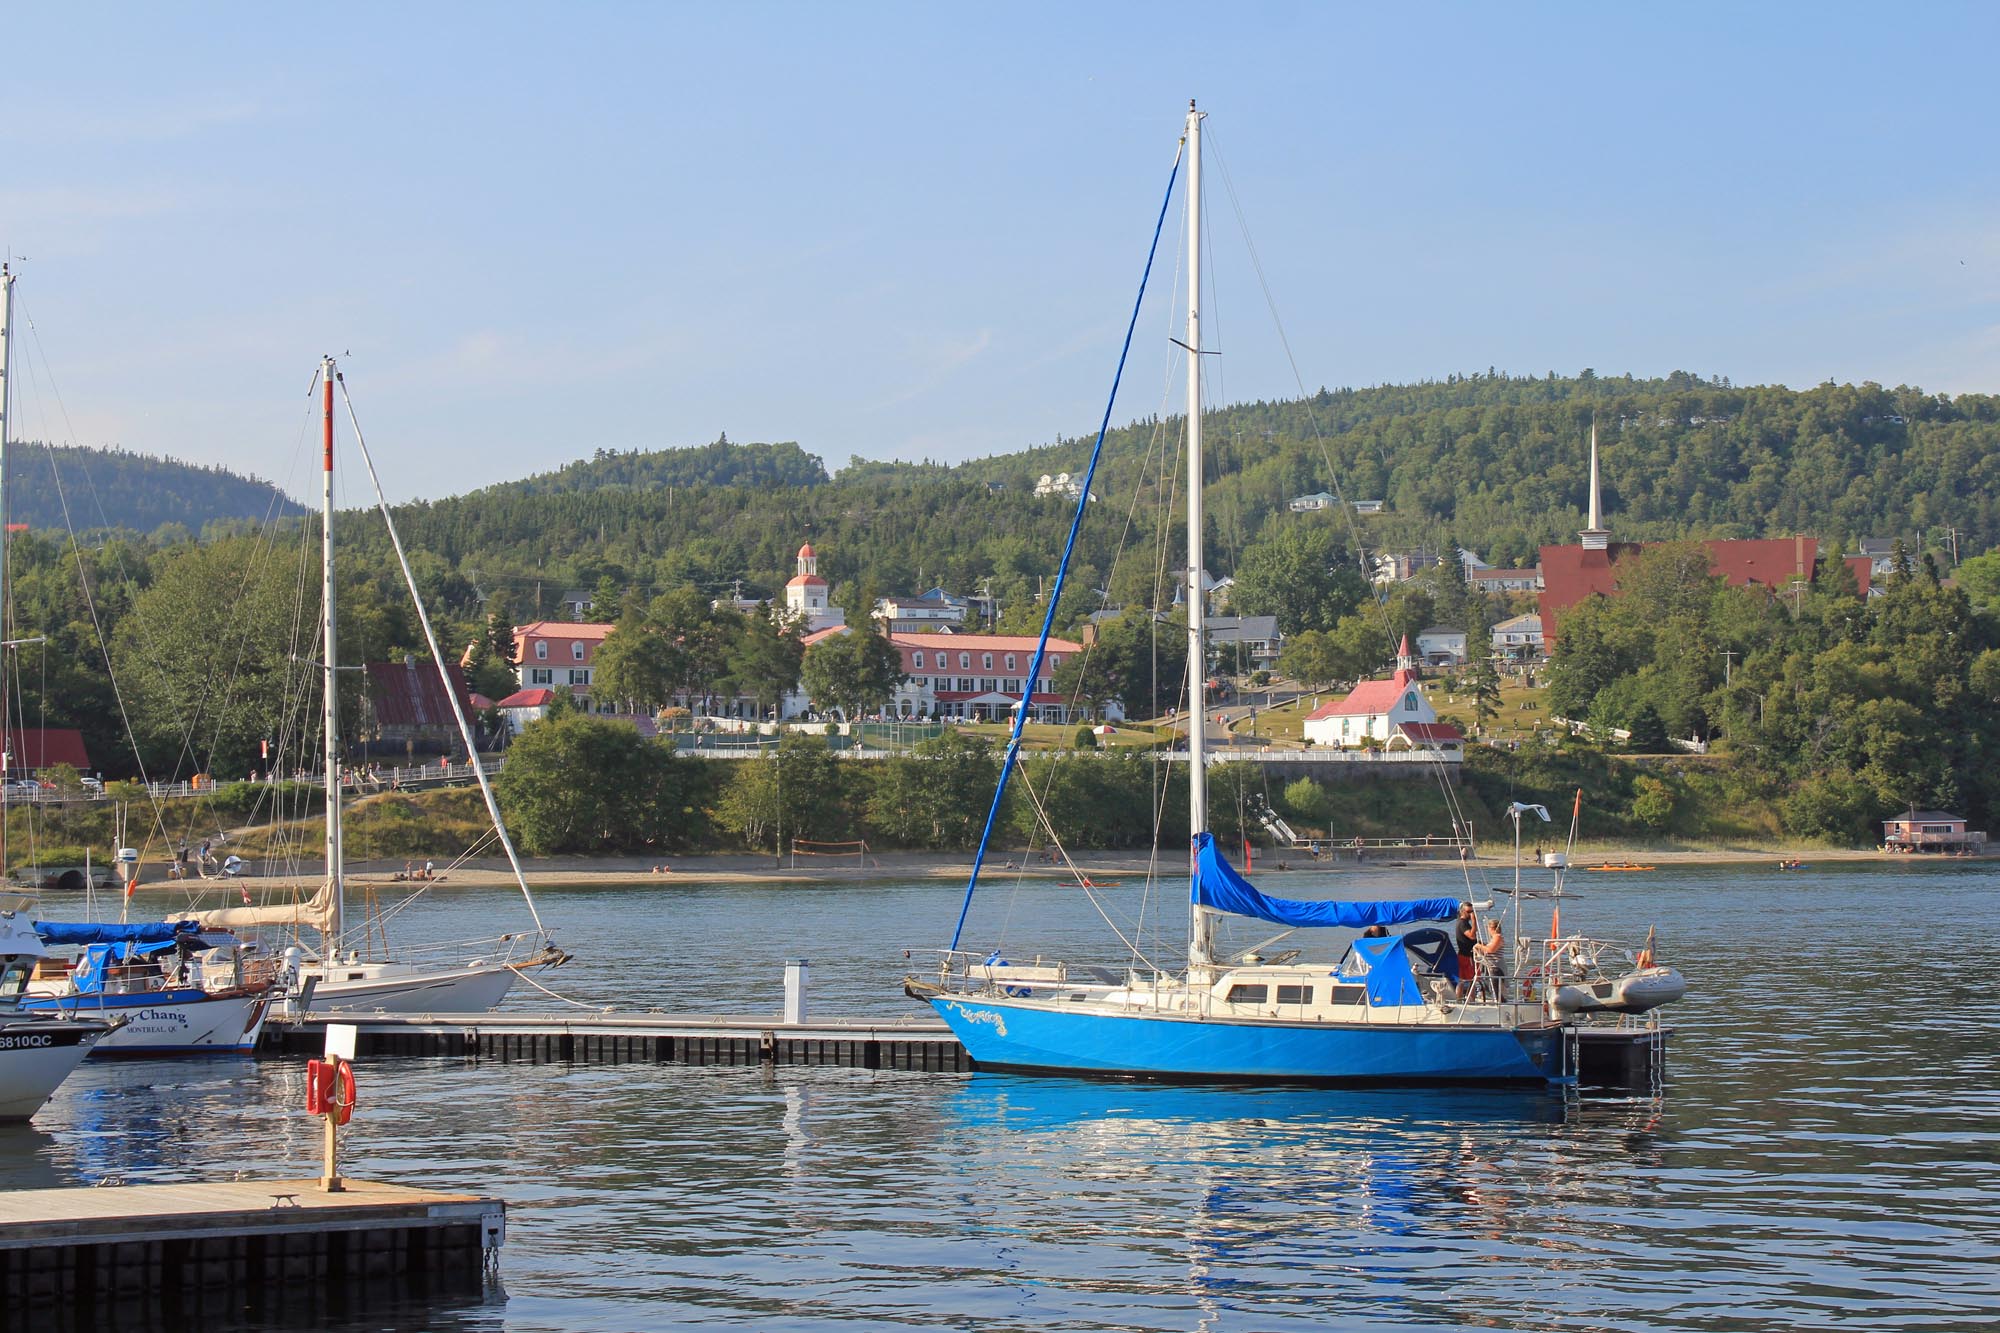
(1218, 886)
(112, 932)
(1384, 965)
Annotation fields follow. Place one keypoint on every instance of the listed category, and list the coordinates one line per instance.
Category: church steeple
(1595, 537)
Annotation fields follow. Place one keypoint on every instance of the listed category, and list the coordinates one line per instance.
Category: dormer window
(576, 652)
(541, 650)
(917, 659)
(986, 661)
(1010, 661)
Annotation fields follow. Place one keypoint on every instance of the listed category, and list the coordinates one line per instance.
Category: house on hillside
(1442, 646)
(1307, 504)
(551, 653)
(1255, 638)
(1519, 639)
(1504, 580)
(933, 610)
(1394, 713)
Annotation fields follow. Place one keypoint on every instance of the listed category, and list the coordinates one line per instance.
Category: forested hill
(110, 488)
(718, 464)
(1493, 462)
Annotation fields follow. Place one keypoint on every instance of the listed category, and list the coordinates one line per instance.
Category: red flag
(1556, 922)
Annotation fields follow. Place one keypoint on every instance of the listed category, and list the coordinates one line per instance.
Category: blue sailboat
(1393, 1011)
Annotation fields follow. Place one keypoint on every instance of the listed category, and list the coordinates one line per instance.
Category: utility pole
(1728, 661)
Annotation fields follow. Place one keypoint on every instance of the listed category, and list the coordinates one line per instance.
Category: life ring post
(330, 1092)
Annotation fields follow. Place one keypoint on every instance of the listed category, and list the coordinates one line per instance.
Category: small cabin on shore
(1930, 831)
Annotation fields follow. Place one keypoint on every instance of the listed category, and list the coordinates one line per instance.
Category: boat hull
(188, 1022)
(36, 1055)
(1000, 1035)
(389, 988)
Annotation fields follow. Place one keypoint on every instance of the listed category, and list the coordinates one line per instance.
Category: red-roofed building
(1572, 573)
(407, 703)
(32, 749)
(1389, 711)
(550, 653)
(525, 706)
(806, 595)
(977, 676)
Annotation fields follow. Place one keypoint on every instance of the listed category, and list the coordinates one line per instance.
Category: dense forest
(110, 488)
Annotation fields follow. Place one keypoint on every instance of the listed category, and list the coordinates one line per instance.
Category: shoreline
(740, 868)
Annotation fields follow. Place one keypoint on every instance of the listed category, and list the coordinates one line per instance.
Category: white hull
(212, 1025)
(36, 1055)
(407, 988)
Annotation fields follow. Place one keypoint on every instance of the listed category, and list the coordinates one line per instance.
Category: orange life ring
(321, 1097)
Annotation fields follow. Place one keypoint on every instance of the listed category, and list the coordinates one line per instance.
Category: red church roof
(806, 551)
(1369, 697)
(806, 581)
(1431, 732)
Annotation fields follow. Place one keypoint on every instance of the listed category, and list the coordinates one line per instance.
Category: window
(576, 652)
(965, 684)
(1010, 662)
(1410, 702)
(965, 661)
(987, 684)
(917, 659)
(1248, 994)
(540, 676)
(579, 676)
(1346, 994)
(986, 661)
(1054, 662)
(1295, 995)
(541, 650)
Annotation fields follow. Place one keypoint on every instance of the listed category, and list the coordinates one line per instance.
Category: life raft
(1633, 993)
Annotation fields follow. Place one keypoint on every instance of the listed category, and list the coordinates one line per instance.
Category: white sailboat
(338, 976)
(1394, 1010)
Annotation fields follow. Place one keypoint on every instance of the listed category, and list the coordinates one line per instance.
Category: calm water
(1825, 1155)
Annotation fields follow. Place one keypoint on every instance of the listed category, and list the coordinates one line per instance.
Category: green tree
(575, 783)
(766, 659)
(795, 790)
(938, 796)
(1483, 683)
(636, 666)
(856, 673)
(1652, 802)
(1297, 573)
(1313, 659)
(1649, 733)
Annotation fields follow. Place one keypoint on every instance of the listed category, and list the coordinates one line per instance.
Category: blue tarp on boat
(113, 932)
(1385, 961)
(1217, 885)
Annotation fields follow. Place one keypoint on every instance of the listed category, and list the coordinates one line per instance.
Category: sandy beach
(747, 869)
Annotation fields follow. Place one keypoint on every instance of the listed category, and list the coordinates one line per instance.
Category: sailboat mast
(6, 431)
(1199, 927)
(329, 671)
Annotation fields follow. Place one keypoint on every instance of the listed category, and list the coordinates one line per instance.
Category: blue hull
(1002, 1036)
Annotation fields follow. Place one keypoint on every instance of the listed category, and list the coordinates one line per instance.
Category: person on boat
(1491, 953)
(1465, 932)
(1375, 932)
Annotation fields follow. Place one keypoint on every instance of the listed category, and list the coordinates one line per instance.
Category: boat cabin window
(1248, 994)
(14, 979)
(1295, 995)
(1346, 994)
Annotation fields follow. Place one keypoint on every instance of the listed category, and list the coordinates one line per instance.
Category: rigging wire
(1062, 569)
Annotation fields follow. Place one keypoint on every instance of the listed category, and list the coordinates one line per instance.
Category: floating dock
(1622, 1057)
(207, 1243)
(636, 1038)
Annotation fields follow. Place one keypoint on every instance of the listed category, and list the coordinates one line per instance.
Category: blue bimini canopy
(113, 932)
(1385, 964)
(1217, 885)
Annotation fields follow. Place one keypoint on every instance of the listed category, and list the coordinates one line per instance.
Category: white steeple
(1595, 537)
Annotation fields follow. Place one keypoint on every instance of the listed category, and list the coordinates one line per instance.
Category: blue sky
(913, 231)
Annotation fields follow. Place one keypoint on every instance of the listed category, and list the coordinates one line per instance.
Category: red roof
(410, 694)
(589, 631)
(44, 747)
(805, 581)
(822, 635)
(477, 701)
(806, 551)
(989, 643)
(1431, 731)
(536, 698)
(1369, 697)
(1571, 573)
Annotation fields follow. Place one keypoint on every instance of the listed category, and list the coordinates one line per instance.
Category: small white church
(1393, 712)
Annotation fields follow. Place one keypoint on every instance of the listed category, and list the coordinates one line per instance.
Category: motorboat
(37, 1050)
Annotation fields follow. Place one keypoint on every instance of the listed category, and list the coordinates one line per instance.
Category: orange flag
(1556, 922)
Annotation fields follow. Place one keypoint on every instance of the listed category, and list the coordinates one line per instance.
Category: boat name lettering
(987, 1016)
(25, 1039)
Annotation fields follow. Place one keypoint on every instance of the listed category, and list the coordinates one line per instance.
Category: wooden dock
(242, 1240)
(918, 1043)
(1625, 1057)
